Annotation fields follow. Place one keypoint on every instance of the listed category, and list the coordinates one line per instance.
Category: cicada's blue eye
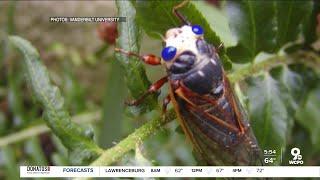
(168, 53)
(197, 29)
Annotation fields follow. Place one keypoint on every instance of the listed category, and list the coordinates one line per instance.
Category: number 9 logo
(295, 152)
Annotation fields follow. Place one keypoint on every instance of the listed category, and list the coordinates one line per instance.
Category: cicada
(207, 109)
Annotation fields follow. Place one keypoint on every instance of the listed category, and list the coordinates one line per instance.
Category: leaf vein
(254, 31)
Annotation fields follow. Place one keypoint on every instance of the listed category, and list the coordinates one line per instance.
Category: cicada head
(180, 53)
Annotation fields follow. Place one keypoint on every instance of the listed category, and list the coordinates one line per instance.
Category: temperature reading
(259, 170)
(269, 160)
(219, 170)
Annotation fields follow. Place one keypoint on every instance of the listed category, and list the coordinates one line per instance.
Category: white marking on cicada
(222, 102)
(225, 105)
(201, 74)
(218, 89)
(213, 61)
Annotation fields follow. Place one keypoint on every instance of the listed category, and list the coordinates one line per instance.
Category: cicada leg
(175, 11)
(148, 59)
(165, 103)
(152, 89)
(220, 47)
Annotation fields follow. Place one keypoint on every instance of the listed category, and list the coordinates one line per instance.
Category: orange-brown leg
(152, 89)
(165, 103)
(148, 59)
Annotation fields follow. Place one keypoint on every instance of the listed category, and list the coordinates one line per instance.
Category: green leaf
(8, 28)
(268, 114)
(129, 40)
(291, 85)
(273, 100)
(79, 141)
(290, 16)
(15, 96)
(35, 151)
(15, 78)
(113, 107)
(2, 49)
(296, 81)
(59, 160)
(9, 159)
(217, 21)
(10, 17)
(310, 25)
(252, 22)
(3, 123)
(156, 17)
(264, 26)
(308, 117)
(73, 90)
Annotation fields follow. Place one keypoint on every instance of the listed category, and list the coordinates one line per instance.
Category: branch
(251, 69)
(310, 59)
(113, 154)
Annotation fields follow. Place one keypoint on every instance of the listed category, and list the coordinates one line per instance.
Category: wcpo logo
(297, 158)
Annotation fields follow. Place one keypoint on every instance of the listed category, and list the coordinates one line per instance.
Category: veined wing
(217, 127)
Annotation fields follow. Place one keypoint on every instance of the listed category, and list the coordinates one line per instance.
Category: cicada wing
(214, 142)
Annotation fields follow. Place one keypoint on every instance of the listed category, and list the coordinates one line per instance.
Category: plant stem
(42, 128)
(258, 67)
(307, 58)
(113, 154)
